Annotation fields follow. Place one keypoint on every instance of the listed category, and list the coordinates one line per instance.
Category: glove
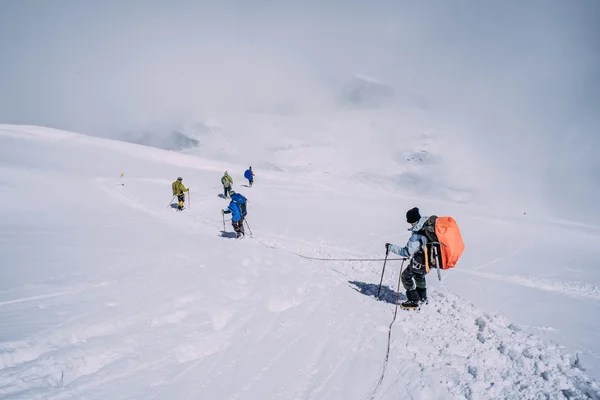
(387, 246)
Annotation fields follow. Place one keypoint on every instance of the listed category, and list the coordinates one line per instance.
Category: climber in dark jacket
(413, 277)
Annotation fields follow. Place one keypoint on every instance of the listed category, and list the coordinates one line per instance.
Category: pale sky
(521, 78)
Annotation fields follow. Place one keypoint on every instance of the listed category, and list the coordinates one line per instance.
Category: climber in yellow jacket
(179, 191)
(227, 183)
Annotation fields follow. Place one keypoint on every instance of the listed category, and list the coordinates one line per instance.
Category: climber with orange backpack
(435, 242)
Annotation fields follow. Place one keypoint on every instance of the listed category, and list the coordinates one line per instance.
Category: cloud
(516, 82)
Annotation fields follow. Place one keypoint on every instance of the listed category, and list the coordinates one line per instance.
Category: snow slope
(108, 293)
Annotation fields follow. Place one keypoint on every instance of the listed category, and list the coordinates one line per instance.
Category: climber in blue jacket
(249, 174)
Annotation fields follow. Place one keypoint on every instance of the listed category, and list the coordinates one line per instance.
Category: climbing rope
(350, 259)
(387, 353)
(326, 259)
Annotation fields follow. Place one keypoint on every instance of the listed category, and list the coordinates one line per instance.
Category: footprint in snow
(174, 318)
(201, 347)
(183, 300)
(279, 305)
(221, 319)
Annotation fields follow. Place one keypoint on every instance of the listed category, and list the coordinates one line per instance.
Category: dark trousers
(413, 277)
(238, 226)
(226, 190)
(180, 199)
(250, 181)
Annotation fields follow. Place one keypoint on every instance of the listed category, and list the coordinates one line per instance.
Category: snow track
(572, 289)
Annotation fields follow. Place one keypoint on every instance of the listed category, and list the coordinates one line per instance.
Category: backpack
(444, 239)
(241, 202)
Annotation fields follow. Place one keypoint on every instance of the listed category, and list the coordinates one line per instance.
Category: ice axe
(438, 261)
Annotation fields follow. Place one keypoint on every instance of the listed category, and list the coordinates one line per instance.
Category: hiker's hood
(419, 225)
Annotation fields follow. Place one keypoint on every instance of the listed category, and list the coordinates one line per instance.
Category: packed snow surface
(107, 292)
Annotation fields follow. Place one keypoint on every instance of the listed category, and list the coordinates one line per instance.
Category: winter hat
(413, 215)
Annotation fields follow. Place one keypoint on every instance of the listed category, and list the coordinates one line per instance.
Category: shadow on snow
(387, 294)
(229, 235)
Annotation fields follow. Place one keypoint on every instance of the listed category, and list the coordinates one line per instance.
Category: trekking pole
(246, 221)
(171, 202)
(387, 252)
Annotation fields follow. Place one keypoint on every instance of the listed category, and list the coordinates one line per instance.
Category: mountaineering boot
(412, 302)
(422, 292)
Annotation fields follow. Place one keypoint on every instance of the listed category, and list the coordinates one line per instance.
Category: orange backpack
(445, 232)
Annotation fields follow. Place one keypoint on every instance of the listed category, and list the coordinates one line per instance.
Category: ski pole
(189, 199)
(387, 252)
(171, 202)
(223, 214)
(246, 221)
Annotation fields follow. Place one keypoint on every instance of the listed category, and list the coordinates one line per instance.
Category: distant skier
(413, 277)
(237, 219)
(249, 174)
(227, 183)
(179, 191)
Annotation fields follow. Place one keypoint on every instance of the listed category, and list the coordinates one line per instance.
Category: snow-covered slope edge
(105, 292)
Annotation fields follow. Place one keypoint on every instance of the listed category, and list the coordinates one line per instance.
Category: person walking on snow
(249, 174)
(237, 219)
(413, 277)
(227, 182)
(241, 201)
(179, 191)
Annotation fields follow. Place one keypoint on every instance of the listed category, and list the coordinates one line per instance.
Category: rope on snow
(387, 353)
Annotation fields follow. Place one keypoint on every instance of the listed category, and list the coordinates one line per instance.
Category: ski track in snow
(572, 289)
(31, 298)
(512, 254)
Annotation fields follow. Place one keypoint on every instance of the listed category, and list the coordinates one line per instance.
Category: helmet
(179, 178)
